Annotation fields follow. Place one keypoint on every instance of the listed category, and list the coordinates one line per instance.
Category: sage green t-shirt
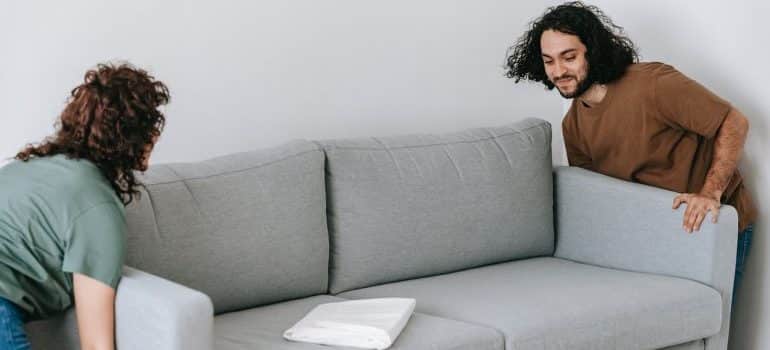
(58, 216)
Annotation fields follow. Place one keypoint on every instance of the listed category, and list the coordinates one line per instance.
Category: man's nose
(559, 69)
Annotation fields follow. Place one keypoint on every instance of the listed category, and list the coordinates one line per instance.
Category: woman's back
(57, 216)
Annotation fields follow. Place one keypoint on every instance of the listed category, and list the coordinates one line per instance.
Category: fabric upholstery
(693, 345)
(246, 229)
(151, 313)
(59, 332)
(262, 328)
(608, 222)
(549, 303)
(413, 206)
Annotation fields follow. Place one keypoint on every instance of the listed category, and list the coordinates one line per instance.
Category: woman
(62, 223)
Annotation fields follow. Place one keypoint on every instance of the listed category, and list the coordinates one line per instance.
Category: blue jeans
(744, 245)
(12, 334)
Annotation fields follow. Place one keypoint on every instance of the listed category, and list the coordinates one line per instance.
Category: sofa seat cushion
(550, 303)
(263, 327)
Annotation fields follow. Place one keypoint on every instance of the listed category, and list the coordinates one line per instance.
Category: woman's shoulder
(73, 185)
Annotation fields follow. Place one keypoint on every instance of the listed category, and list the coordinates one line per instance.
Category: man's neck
(594, 95)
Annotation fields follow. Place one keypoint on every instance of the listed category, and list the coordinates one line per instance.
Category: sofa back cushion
(246, 229)
(414, 206)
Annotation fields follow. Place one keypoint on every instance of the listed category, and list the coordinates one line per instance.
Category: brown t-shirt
(657, 127)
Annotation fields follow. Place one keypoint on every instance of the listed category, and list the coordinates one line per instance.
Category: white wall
(249, 74)
(724, 46)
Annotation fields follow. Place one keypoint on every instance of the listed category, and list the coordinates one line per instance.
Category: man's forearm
(728, 146)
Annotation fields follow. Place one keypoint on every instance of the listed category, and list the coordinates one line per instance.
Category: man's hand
(698, 205)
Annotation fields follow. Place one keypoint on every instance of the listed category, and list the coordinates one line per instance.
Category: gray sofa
(501, 250)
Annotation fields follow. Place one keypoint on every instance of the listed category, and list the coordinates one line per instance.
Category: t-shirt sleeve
(96, 244)
(576, 156)
(685, 104)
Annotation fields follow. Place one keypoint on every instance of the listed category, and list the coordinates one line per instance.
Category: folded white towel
(366, 323)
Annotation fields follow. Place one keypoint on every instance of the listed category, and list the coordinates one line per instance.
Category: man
(641, 122)
(62, 222)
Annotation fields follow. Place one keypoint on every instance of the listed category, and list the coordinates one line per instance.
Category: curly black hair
(111, 119)
(608, 51)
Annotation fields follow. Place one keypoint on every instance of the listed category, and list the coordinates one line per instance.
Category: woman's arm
(95, 310)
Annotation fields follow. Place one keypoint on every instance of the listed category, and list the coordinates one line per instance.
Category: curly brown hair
(609, 51)
(111, 119)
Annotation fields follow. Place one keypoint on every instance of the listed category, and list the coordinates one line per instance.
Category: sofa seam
(322, 149)
(540, 126)
(154, 212)
(498, 331)
(229, 172)
(325, 204)
(189, 190)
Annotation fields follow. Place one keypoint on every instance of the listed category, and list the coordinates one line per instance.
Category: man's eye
(569, 59)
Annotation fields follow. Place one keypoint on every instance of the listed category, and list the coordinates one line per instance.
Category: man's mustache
(563, 77)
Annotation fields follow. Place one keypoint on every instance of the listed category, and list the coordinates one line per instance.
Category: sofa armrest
(608, 222)
(151, 313)
(618, 224)
(155, 313)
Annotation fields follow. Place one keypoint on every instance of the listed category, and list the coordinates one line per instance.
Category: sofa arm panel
(618, 224)
(608, 222)
(155, 313)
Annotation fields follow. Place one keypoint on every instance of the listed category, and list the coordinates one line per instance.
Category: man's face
(564, 58)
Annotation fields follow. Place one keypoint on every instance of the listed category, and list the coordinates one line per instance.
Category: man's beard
(582, 87)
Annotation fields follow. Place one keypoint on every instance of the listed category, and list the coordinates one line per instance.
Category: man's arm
(728, 146)
(95, 310)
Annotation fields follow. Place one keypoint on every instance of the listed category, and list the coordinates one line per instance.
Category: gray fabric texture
(155, 313)
(151, 313)
(548, 303)
(59, 332)
(262, 328)
(246, 229)
(693, 345)
(613, 223)
(413, 206)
